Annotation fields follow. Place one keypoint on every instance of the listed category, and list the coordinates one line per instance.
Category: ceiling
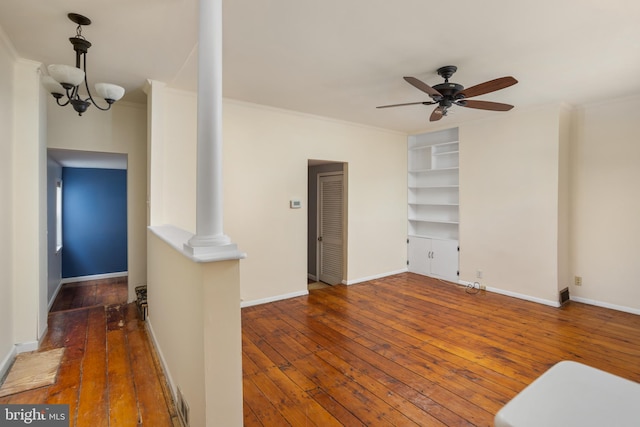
(341, 59)
(88, 159)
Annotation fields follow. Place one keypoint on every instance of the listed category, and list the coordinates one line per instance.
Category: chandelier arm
(57, 98)
(86, 85)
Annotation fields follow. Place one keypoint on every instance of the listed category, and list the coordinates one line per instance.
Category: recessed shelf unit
(433, 203)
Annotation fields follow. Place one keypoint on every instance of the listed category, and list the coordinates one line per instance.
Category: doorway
(94, 218)
(327, 223)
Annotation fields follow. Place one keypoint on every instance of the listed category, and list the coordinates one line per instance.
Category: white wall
(266, 153)
(54, 259)
(194, 317)
(29, 206)
(605, 215)
(120, 130)
(509, 207)
(6, 216)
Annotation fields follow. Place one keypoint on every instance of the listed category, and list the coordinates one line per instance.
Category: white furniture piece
(433, 204)
(571, 394)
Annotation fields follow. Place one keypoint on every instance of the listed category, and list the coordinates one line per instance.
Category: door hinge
(407, 241)
(407, 262)
(458, 273)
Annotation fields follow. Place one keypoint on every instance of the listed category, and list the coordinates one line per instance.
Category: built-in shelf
(433, 198)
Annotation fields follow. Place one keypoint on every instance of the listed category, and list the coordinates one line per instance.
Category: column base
(198, 251)
(216, 240)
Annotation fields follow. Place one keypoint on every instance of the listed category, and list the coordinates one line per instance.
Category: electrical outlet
(578, 281)
(478, 274)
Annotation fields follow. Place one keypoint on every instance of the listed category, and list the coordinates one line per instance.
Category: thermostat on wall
(295, 204)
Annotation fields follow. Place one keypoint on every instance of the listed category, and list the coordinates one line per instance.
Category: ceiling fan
(448, 94)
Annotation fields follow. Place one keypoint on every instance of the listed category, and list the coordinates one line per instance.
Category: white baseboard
(163, 361)
(516, 295)
(606, 305)
(53, 297)
(27, 346)
(94, 277)
(244, 304)
(6, 363)
(312, 277)
(377, 276)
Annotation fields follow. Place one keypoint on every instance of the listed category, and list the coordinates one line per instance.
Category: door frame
(344, 222)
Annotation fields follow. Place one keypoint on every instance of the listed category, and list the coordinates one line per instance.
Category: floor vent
(183, 409)
(564, 296)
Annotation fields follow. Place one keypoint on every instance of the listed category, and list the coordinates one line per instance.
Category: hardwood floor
(404, 350)
(91, 293)
(410, 350)
(110, 374)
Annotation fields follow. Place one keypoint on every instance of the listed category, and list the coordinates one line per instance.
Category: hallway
(110, 374)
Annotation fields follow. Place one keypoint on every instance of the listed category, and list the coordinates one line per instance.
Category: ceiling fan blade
(490, 86)
(485, 105)
(408, 103)
(423, 87)
(437, 114)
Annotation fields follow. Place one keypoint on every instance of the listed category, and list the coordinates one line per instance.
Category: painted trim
(7, 362)
(163, 361)
(27, 346)
(606, 305)
(4, 40)
(93, 277)
(244, 304)
(179, 238)
(516, 295)
(300, 114)
(377, 276)
(345, 204)
(312, 277)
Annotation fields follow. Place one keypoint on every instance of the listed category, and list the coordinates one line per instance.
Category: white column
(209, 235)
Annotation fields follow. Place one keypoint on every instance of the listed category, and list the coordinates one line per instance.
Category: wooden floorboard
(110, 374)
(411, 350)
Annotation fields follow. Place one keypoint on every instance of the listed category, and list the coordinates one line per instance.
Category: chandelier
(64, 81)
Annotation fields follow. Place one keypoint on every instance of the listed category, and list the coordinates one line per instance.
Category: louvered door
(330, 228)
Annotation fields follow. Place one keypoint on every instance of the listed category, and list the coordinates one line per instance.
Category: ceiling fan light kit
(63, 81)
(449, 94)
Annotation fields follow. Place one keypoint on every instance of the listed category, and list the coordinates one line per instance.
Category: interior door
(330, 228)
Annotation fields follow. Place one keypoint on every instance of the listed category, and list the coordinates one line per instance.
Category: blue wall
(94, 221)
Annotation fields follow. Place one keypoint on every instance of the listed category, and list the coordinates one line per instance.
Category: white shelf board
(445, 153)
(433, 204)
(428, 236)
(419, 187)
(424, 147)
(435, 221)
(433, 170)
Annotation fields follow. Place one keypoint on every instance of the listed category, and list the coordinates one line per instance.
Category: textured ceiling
(341, 59)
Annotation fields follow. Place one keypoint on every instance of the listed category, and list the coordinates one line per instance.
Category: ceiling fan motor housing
(449, 90)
